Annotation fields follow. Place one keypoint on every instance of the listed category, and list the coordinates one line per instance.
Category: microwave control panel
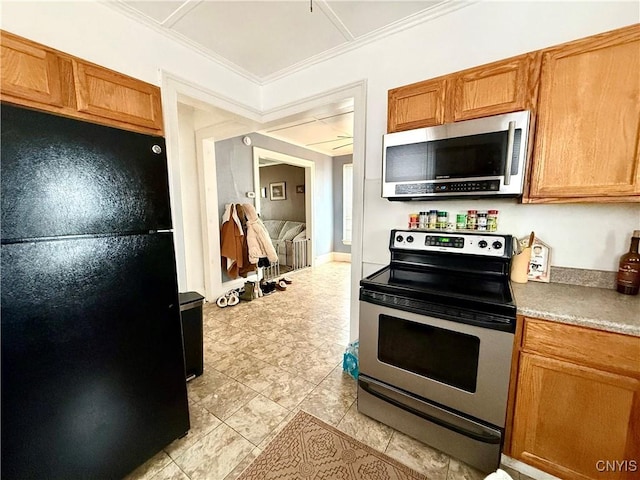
(493, 245)
(469, 186)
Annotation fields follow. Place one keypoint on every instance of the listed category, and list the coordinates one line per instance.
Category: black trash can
(191, 315)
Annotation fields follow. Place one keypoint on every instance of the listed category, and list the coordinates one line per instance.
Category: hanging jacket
(231, 241)
(247, 267)
(258, 241)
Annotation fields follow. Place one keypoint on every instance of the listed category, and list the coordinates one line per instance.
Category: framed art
(299, 188)
(278, 191)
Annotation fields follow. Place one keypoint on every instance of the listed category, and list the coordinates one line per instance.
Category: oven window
(443, 355)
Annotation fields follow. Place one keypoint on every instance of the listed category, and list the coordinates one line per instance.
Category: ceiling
(266, 40)
(330, 133)
(327, 129)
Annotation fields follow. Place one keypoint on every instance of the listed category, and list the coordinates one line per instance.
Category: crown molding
(139, 17)
(443, 8)
(438, 10)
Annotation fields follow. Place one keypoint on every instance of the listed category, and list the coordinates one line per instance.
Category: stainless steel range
(436, 337)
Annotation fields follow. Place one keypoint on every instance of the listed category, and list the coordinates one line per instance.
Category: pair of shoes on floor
(268, 287)
(271, 286)
(229, 299)
(286, 280)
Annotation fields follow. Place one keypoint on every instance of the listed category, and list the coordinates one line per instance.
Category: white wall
(476, 34)
(99, 34)
(582, 236)
(191, 210)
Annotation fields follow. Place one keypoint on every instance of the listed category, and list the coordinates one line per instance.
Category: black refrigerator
(93, 380)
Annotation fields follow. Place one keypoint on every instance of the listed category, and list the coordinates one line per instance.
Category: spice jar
(472, 218)
(492, 220)
(433, 218)
(461, 221)
(443, 218)
(482, 221)
(414, 220)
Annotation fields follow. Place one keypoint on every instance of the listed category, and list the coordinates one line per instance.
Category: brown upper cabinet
(585, 102)
(588, 125)
(500, 87)
(415, 106)
(30, 72)
(42, 78)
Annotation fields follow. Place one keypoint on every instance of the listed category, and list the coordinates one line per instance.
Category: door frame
(173, 86)
(309, 181)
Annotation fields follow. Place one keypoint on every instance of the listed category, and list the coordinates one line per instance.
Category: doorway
(286, 205)
(175, 90)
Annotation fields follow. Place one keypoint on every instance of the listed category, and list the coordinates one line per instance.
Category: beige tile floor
(266, 359)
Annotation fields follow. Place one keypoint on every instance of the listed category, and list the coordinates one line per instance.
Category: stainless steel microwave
(472, 158)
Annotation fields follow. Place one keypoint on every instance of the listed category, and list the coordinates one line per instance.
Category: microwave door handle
(507, 165)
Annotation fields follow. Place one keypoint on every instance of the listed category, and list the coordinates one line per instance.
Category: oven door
(462, 367)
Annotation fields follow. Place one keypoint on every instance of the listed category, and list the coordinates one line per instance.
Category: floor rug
(309, 449)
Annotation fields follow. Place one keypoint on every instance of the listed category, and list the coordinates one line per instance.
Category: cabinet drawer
(607, 351)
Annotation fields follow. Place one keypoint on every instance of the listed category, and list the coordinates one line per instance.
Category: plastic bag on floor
(350, 359)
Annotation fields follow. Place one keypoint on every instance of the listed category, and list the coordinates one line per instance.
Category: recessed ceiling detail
(265, 40)
(329, 134)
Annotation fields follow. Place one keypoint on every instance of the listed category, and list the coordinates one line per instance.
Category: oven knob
(482, 244)
(409, 239)
(497, 245)
(399, 238)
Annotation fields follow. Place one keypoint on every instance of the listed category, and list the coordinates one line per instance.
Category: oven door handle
(485, 438)
(510, 141)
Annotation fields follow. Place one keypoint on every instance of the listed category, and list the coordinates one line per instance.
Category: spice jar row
(443, 220)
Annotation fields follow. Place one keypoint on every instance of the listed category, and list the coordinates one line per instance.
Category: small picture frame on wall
(299, 188)
(278, 191)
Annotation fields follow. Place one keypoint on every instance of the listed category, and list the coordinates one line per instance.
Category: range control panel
(480, 243)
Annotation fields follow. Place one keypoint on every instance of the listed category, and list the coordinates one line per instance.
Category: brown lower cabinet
(576, 408)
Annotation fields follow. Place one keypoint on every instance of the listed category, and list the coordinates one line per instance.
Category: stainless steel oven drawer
(473, 443)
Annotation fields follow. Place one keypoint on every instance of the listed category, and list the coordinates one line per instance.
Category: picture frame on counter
(540, 262)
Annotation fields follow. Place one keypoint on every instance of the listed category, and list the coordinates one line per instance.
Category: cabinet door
(29, 72)
(500, 87)
(417, 105)
(110, 95)
(569, 420)
(586, 142)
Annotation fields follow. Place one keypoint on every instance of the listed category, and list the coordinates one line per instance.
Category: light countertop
(600, 308)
